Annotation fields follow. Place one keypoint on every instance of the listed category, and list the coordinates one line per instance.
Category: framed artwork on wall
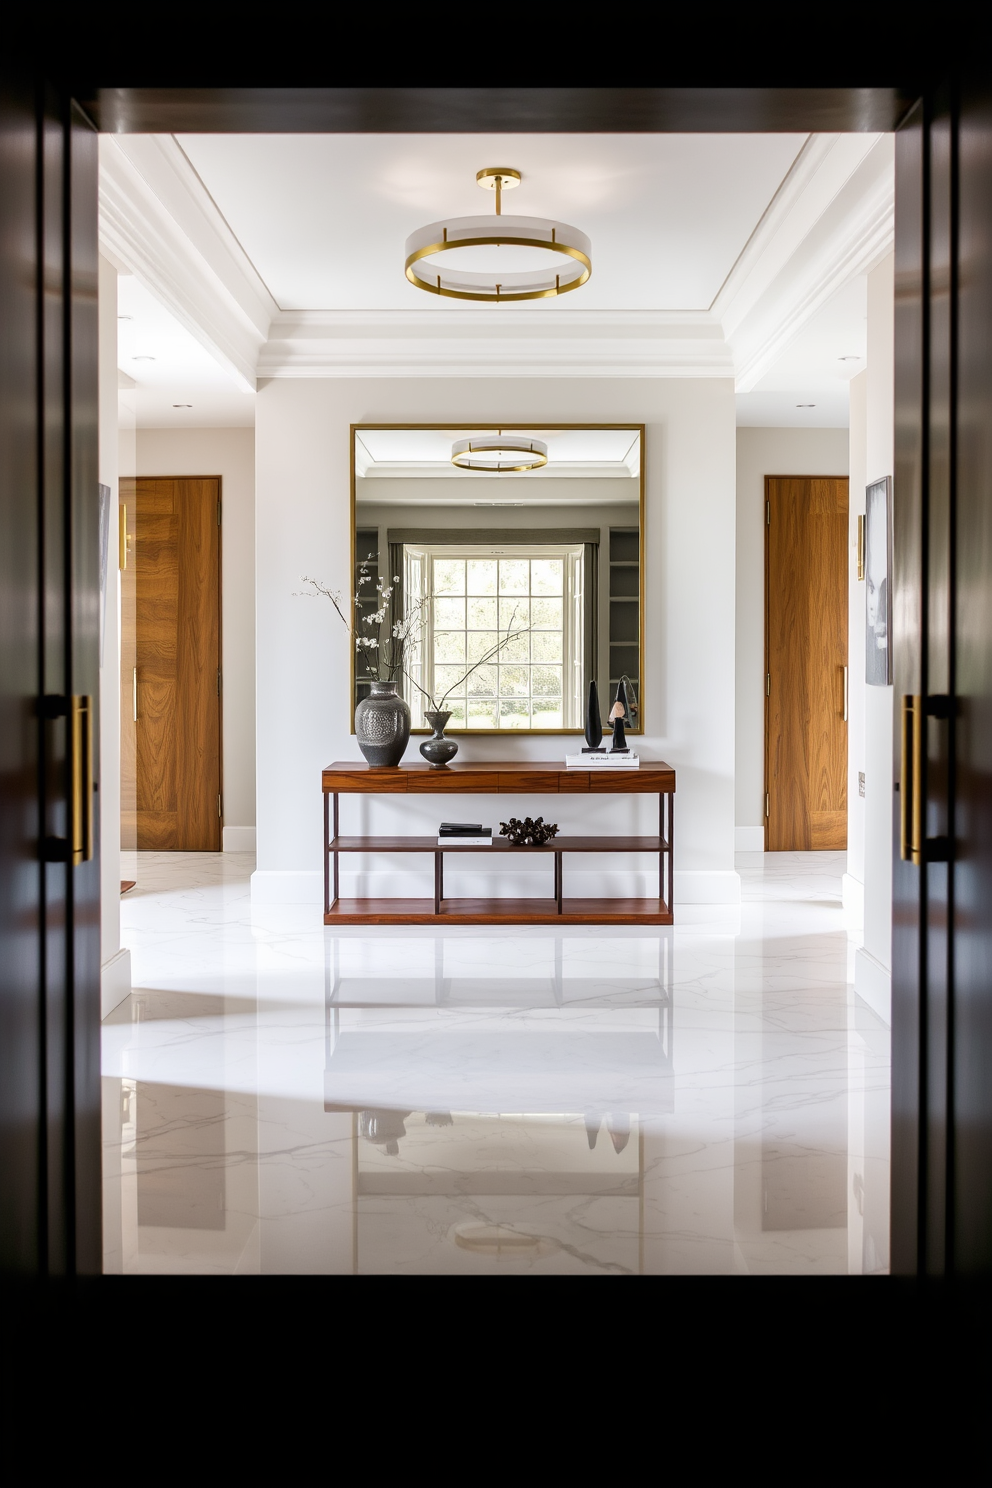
(878, 586)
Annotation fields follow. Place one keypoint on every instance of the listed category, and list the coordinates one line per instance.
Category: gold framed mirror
(497, 570)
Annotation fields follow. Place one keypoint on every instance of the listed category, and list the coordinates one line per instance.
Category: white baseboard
(301, 887)
(749, 839)
(239, 839)
(115, 981)
(873, 984)
(852, 893)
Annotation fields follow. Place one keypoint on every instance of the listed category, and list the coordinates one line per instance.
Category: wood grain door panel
(177, 625)
(806, 651)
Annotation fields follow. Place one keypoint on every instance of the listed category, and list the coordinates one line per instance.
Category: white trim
(873, 984)
(749, 839)
(852, 893)
(160, 223)
(239, 839)
(691, 887)
(115, 981)
(467, 343)
(841, 225)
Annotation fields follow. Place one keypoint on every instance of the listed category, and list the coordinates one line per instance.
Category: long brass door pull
(81, 822)
(911, 784)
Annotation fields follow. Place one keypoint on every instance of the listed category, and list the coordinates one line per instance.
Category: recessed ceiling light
(805, 405)
(182, 405)
(142, 359)
(125, 317)
(849, 359)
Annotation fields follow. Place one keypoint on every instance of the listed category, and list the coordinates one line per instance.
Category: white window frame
(421, 665)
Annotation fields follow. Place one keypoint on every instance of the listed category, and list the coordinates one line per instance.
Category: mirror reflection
(500, 570)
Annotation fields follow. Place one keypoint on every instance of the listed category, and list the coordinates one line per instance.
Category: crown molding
(831, 220)
(495, 342)
(158, 221)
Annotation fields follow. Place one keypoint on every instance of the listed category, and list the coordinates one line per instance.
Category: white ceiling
(261, 256)
(324, 218)
(168, 366)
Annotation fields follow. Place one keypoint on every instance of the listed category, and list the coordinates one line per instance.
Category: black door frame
(72, 1231)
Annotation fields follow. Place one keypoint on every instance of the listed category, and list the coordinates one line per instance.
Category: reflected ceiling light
(805, 405)
(460, 276)
(142, 359)
(182, 405)
(499, 454)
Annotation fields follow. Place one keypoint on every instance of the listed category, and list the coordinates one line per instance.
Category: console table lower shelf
(498, 779)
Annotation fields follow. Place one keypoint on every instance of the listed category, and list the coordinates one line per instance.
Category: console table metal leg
(670, 901)
(334, 824)
(327, 856)
(438, 881)
(558, 875)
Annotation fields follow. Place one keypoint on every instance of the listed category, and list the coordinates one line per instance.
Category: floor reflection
(710, 1098)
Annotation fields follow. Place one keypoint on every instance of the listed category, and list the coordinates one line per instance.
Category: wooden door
(806, 657)
(129, 676)
(177, 645)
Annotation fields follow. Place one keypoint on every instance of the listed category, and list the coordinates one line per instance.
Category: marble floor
(710, 1098)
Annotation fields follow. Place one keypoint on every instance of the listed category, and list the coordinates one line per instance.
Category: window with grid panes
(482, 595)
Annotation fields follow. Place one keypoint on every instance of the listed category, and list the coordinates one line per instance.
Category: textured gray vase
(438, 750)
(382, 725)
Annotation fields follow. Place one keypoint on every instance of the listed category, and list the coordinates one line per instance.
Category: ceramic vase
(438, 750)
(382, 725)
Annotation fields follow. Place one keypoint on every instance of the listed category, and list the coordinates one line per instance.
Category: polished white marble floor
(711, 1098)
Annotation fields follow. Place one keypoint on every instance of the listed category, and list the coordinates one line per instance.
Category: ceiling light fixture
(461, 237)
(497, 454)
(142, 359)
(182, 405)
(805, 405)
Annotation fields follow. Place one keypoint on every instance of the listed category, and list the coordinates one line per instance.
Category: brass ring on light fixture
(463, 450)
(513, 232)
(513, 287)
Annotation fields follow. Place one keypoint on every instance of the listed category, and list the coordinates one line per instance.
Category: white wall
(873, 962)
(304, 714)
(229, 453)
(762, 452)
(115, 975)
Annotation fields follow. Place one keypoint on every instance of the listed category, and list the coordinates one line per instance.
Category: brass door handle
(134, 693)
(81, 824)
(911, 783)
(845, 694)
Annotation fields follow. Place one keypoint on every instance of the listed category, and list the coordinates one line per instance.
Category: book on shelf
(464, 834)
(605, 761)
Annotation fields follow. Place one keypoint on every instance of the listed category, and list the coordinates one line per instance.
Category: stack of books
(464, 834)
(620, 760)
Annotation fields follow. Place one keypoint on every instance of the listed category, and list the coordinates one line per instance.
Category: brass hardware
(768, 514)
(768, 684)
(911, 783)
(767, 812)
(81, 823)
(492, 240)
(861, 547)
(218, 514)
(846, 698)
(220, 809)
(122, 537)
(134, 694)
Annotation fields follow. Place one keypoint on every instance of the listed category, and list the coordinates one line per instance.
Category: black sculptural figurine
(618, 714)
(528, 833)
(594, 724)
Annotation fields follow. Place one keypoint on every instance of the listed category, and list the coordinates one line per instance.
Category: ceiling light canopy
(501, 260)
(499, 454)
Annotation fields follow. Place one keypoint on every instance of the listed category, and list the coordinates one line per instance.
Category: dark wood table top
(537, 777)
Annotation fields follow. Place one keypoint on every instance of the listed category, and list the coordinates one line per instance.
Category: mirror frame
(483, 427)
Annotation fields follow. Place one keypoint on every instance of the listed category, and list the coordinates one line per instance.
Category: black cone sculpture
(594, 723)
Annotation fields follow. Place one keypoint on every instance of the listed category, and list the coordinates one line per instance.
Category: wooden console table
(475, 780)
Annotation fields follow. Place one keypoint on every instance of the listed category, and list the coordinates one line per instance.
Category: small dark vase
(382, 725)
(438, 750)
